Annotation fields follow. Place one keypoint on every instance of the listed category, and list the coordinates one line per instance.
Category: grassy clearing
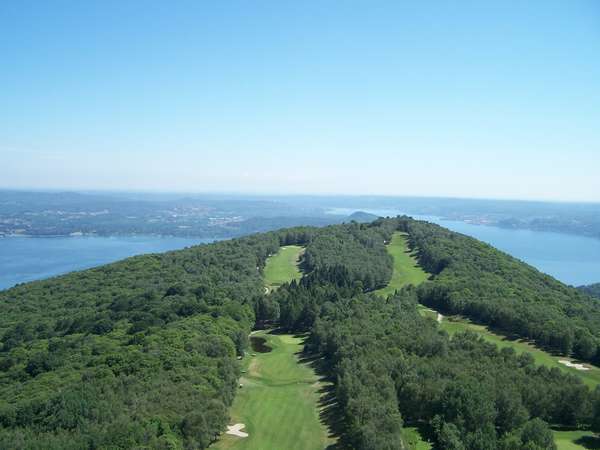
(427, 312)
(576, 440)
(413, 439)
(278, 402)
(455, 324)
(406, 268)
(282, 267)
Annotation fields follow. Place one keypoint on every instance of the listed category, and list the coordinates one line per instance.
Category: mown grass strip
(576, 440)
(455, 324)
(278, 400)
(282, 267)
(406, 268)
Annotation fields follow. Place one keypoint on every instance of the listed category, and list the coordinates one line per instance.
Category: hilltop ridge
(144, 352)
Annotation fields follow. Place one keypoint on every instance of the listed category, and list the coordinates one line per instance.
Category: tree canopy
(142, 353)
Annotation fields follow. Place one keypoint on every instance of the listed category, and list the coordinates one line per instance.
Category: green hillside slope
(143, 353)
(491, 287)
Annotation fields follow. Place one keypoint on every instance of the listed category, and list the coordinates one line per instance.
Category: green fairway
(282, 267)
(576, 440)
(278, 402)
(406, 268)
(279, 399)
(427, 312)
(454, 324)
(412, 437)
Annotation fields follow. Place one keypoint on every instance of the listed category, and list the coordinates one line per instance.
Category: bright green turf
(413, 439)
(282, 267)
(427, 312)
(278, 402)
(576, 440)
(453, 324)
(406, 269)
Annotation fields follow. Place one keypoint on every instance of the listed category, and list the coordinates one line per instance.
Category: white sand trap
(573, 365)
(236, 430)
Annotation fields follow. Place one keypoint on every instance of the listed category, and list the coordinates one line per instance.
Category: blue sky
(469, 99)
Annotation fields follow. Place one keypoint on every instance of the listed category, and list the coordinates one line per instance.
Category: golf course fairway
(406, 269)
(282, 267)
(455, 324)
(278, 400)
(576, 440)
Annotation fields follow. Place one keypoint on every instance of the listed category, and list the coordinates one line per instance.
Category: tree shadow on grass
(424, 428)
(278, 330)
(330, 413)
(589, 442)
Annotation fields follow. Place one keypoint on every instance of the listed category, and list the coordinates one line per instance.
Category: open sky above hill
(493, 99)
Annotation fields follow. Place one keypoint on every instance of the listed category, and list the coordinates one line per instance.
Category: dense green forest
(393, 366)
(136, 353)
(489, 286)
(142, 353)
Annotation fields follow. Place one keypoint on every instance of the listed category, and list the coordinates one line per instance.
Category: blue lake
(571, 259)
(26, 259)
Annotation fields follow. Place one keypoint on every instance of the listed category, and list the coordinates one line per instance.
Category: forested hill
(142, 353)
(476, 280)
(592, 289)
(123, 355)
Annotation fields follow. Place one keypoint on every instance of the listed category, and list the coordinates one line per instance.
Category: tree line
(476, 280)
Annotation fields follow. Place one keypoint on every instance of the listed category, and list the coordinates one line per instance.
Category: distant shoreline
(124, 235)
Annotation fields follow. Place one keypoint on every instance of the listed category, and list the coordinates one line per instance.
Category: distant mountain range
(592, 289)
(362, 217)
(229, 215)
(208, 216)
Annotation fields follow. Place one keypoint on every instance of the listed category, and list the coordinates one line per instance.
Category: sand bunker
(573, 365)
(236, 430)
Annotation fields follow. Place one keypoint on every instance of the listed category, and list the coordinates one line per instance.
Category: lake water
(571, 259)
(26, 259)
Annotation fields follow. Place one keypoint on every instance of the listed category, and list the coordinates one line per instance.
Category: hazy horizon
(272, 194)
